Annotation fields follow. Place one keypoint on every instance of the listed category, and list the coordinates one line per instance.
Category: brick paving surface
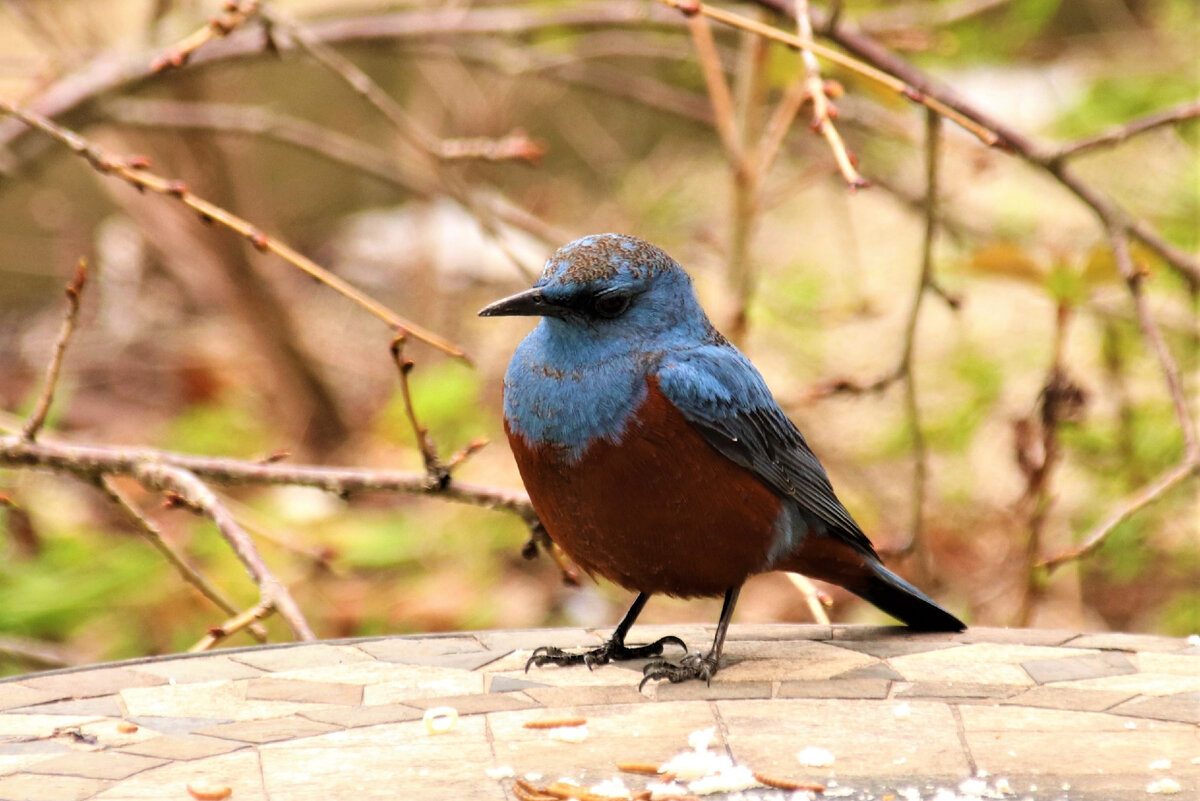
(990, 713)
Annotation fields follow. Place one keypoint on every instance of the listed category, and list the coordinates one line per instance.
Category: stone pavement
(990, 713)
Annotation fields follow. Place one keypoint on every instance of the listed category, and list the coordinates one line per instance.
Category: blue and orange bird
(656, 457)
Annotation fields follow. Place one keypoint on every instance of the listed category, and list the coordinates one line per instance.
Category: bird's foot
(611, 651)
(692, 666)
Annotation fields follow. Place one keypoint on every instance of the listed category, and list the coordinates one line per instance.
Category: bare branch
(246, 620)
(1122, 133)
(189, 574)
(234, 14)
(1133, 504)
(823, 111)
(88, 461)
(191, 489)
(37, 653)
(134, 172)
(37, 417)
(816, 600)
(691, 7)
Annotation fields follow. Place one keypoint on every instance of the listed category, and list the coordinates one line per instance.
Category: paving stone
(976, 663)
(779, 631)
(402, 649)
(1141, 683)
(313, 692)
(223, 700)
(866, 738)
(13, 695)
(199, 668)
(1016, 636)
(1169, 664)
(1089, 666)
(394, 761)
(1184, 707)
(165, 725)
(475, 704)
(101, 706)
(848, 633)
(26, 726)
(267, 731)
(554, 697)
(955, 690)
(294, 657)
(356, 716)
(32, 787)
(1067, 698)
(506, 641)
(580, 676)
(695, 690)
(839, 688)
(22, 763)
(1119, 641)
(896, 646)
(879, 670)
(90, 683)
(32, 747)
(182, 747)
(96, 765)
(508, 684)
(1055, 743)
(417, 681)
(238, 770)
(470, 660)
(788, 661)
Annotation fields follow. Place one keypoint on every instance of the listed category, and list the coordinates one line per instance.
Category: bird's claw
(691, 666)
(611, 651)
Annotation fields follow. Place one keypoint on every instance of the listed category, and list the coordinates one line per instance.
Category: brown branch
(234, 14)
(134, 172)
(690, 7)
(1121, 133)
(718, 88)
(823, 110)
(37, 417)
(925, 15)
(36, 653)
(249, 619)
(168, 478)
(89, 461)
(1130, 506)
(189, 574)
(438, 473)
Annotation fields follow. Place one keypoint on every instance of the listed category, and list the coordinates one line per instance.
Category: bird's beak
(530, 303)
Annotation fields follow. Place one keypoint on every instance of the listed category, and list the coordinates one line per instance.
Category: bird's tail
(902, 600)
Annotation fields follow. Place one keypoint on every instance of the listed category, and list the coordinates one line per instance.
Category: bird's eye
(611, 304)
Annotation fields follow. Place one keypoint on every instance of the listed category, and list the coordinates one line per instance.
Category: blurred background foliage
(192, 341)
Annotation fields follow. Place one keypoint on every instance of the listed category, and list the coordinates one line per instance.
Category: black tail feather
(905, 602)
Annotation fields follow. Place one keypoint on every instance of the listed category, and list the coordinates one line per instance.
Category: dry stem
(246, 620)
(186, 571)
(37, 417)
(133, 171)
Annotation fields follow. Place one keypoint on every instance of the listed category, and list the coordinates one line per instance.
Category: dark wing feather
(720, 392)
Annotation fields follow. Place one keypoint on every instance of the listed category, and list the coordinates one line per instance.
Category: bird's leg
(613, 650)
(695, 666)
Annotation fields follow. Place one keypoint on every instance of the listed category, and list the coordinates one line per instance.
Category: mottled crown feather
(601, 257)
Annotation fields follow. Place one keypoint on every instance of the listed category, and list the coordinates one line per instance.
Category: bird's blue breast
(568, 394)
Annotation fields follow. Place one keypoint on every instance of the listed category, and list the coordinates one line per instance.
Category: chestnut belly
(660, 511)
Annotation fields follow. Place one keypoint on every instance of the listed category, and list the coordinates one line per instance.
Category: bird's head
(610, 286)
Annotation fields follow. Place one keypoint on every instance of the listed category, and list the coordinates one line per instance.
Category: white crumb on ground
(731, 779)
(815, 757)
(610, 788)
(1160, 764)
(1164, 786)
(500, 772)
(902, 709)
(568, 734)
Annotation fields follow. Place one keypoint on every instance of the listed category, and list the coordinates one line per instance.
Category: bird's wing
(720, 392)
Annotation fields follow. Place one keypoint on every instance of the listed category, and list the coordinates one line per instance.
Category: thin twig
(815, 599)
(1130, 506)
(999, 134)
(134, 172)
(438, 473)
(234, 14)
(189, 574)
(249, 619)
(37, 418)
(191, 489)
(690, 7)
(36, 653)
(88, 461)
(823, 111)
(1122, 133)
(718, 88)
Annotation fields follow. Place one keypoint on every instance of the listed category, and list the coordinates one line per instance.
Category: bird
(656, 457)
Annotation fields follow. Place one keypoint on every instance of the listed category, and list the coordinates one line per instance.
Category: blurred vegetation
(176, 348)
